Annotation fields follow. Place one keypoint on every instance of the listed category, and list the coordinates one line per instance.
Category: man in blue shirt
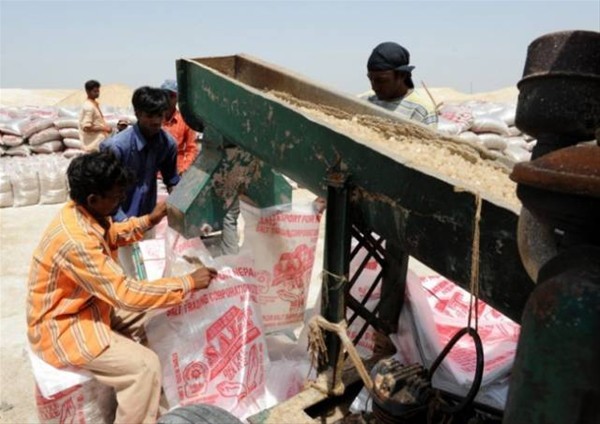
(145, 148)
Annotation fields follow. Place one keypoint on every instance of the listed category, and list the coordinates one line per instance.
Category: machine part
(209, 187)
(555, 376)
(559, 95)
(562, 191)
(537, 243)
(572, 170)
(479, 361)
(336, 262)
(399, 391)
(424, 215)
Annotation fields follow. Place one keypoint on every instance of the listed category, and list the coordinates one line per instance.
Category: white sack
(26, 186)
(69, 133)
(51, 146)
(73, 143)
(61, 123)
(282, 242)
(489, 124)
(43, 136)
(11, 140)
(492, 141)
(212, 347)
(28, 128)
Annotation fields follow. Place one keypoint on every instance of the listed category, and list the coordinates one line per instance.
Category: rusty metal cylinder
(555, 376)
(559, 94)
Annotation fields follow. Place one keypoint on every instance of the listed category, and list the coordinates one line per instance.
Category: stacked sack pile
(489, 124)
(36, 145)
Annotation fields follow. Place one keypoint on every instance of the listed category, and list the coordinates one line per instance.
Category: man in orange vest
(186, 138)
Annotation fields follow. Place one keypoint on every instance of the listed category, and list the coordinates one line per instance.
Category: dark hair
(150, 100)
(91, 84)
(96, 173)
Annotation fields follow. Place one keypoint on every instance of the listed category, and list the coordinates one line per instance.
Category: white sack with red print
(211, 347)
(435, 310)
(89, 403)
(282, 241)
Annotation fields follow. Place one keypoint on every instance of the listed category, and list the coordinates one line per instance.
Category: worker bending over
(82, 310)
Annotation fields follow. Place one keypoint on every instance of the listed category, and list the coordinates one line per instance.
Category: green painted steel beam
(423, 214)
(208, 188)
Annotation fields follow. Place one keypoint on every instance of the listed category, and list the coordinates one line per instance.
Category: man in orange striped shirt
(187, 147)
(82, 310)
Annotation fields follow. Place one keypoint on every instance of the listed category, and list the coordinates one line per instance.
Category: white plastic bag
(282, 242)
(212, 347)
(89, 403)
(53, 181)
(435, 310)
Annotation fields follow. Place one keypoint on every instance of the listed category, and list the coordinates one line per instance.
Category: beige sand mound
(117, 95)
(450, 95)
(18, 97)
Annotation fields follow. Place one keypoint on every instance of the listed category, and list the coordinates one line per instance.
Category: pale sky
(469, 45)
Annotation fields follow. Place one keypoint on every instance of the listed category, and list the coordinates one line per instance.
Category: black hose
(478, 368)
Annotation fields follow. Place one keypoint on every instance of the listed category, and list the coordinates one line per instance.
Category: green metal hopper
(249, 132)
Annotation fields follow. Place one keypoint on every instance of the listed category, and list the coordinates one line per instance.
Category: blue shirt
(145, 158)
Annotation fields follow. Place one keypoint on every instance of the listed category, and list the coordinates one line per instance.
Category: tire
(198, 414)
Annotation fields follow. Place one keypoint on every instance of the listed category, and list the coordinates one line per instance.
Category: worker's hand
(159, 212)
(107, 129)
(202, 277)
(319, 205)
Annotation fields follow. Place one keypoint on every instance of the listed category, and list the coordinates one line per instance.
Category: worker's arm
(190, 149)
(88, 264)
(133, 229)
(168, 166)
(86, 121)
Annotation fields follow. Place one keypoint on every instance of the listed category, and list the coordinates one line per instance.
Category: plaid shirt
(75, 282)
(412, 106)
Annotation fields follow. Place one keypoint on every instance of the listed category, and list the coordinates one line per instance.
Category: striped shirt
(75, 282)
(412, 106)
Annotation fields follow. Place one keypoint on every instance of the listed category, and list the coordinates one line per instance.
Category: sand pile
(116, 95)
(17, 97)
(467, 166)
(449, 95)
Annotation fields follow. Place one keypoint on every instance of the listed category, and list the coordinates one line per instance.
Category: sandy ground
(20, 230)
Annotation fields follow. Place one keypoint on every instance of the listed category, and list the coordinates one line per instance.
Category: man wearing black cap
(391, 80)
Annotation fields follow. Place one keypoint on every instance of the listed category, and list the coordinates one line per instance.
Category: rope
(340, 281)
(474, 286)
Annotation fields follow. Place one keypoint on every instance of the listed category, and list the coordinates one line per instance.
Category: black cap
(389, 56)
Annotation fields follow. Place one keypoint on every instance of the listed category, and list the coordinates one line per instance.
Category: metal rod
(336, 260)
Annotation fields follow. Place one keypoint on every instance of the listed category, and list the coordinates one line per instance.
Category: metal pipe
(336, 260)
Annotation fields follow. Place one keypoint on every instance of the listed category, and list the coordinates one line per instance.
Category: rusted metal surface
(574, 170)
(554, 379)
(559, 95)
(562, 190)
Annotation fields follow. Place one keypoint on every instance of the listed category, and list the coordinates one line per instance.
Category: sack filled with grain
(49, 134)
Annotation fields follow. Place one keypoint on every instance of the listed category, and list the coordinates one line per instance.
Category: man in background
(92, 126)
(391, 79)
(185, 137)
(146, 149)
(82, 310)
